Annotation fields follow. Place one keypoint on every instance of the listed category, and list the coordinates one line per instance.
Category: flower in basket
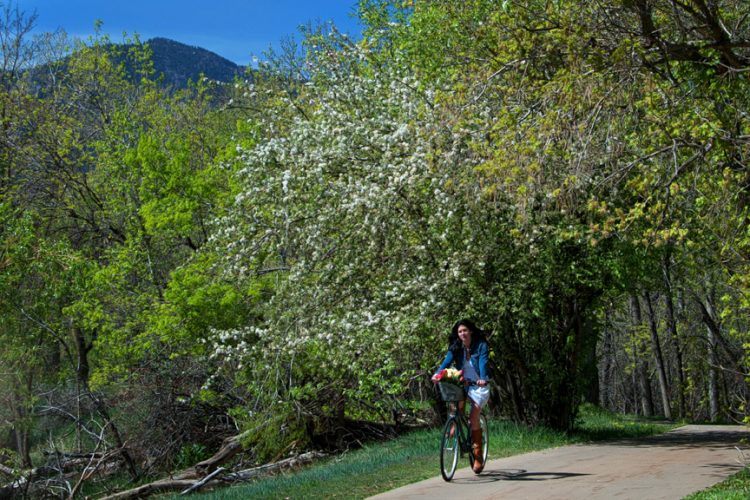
(451, 376)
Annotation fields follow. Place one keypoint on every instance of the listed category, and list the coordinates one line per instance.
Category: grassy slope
(383, 466)
(736, 487)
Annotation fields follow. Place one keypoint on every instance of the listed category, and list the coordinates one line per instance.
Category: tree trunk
(658, 359)
(22, 446)
(79, 417)
(713, 363)
(606, 385)
(672, 328)
(20, 413)
(586, 360)
(644, 387)
(735, 358)
(519, 411)
(83, 347)
(713, 389)
(641, 369)
(82, 377)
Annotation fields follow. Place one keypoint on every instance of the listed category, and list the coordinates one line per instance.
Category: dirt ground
(667, 466)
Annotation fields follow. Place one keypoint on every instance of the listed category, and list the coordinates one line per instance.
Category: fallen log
(30, 475)
(94, 468)
(288, 463)
(79, 463)
(160, 486)
(189, 485)
(61, 455)
(38, 477)
(186, 478)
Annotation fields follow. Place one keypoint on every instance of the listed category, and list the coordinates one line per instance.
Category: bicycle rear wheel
(485, 438)
(449, 448)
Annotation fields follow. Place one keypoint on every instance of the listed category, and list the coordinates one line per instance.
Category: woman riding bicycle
(467, 343)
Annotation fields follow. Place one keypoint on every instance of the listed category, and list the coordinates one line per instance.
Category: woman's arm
(484, 357)
(445, 364)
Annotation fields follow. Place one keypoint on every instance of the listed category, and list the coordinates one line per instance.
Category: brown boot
(476, 448)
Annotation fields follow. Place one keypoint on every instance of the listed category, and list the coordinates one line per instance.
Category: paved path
(667, 466)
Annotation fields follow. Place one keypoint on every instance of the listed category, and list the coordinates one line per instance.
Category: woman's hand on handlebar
(435, 379)
(481, 382)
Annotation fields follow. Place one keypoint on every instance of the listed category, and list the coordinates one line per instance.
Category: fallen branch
(229, 448)
(203, 481)
(89, 470)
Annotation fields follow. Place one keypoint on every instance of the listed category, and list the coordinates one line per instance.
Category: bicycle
(456, 438)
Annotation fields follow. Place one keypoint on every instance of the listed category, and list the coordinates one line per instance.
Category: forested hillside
(180, 63)
(285, 265)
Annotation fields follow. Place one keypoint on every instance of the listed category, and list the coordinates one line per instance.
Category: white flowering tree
(362, 210)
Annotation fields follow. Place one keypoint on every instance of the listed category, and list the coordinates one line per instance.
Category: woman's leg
(476, 437)
(474, 417)
(459, 411)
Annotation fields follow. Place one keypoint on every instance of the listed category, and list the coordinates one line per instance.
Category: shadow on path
(515, 475)
(689, 438)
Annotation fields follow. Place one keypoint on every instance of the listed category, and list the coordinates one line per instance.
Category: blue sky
(233, 29)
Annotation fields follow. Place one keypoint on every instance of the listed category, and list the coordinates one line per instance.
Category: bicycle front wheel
(449, 448)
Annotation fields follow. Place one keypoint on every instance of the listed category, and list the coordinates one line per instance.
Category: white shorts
(479, 395)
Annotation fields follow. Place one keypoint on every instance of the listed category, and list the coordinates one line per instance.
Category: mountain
(175, 62)
(179, 63)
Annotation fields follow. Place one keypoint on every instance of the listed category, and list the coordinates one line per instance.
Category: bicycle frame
(464, 434)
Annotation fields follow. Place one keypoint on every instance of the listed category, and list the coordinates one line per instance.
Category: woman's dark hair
(454, 343)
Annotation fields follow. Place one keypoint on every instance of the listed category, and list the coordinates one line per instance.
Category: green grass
(736, 487)
(379, 467)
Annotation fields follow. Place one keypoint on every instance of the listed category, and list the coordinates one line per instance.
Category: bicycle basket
(451, 392)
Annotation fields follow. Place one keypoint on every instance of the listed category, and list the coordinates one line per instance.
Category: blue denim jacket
(480, 353)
